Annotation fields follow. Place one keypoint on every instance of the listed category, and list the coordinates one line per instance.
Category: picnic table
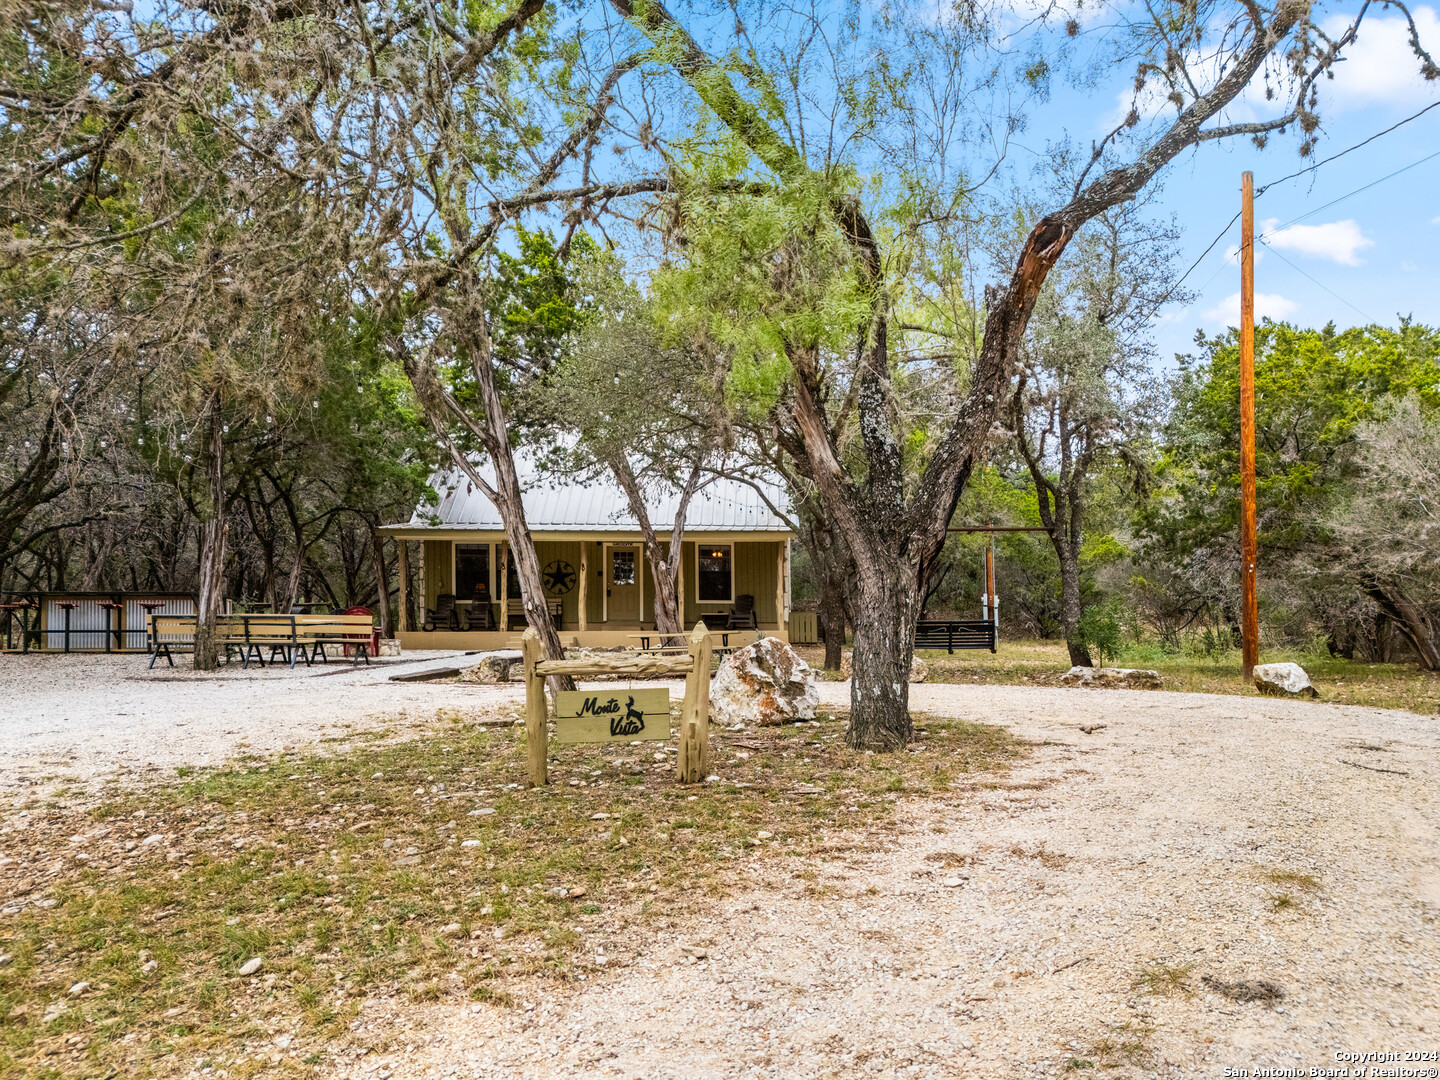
(678, 636)
(289, 638)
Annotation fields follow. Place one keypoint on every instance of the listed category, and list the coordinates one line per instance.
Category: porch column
(403, 554)
(584, 583)
(780, 585)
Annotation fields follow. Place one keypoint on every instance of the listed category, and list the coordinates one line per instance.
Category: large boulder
(919, 670)
(765, 683)
(492, 667)
(1284, 680)
(1112, 678)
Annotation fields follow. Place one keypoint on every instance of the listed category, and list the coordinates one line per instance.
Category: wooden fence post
(536, 733)
(694, 758)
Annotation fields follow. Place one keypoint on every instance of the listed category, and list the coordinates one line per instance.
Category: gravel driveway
(1106, 910)
(1097, 914)
(79, 719)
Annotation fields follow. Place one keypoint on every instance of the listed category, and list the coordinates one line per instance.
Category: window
(622, 566)
(472, 570)
(715, 581)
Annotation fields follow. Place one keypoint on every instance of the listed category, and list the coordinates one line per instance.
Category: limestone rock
(1110, 678)
(389, 646)
(765, 683)
(919, 670)
(1284, 680)
(492, 667)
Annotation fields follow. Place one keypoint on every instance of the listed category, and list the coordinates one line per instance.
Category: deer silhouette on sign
(632, 723)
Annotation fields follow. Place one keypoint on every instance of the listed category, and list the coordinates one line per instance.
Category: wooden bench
(289, 638)
(252, 634)
(168, 633)
(315, 632)
(680, 639)
(512, 611)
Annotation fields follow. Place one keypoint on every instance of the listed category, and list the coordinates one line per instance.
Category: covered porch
(460, 583)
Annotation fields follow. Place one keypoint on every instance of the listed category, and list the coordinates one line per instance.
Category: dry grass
(1246, 991)
(373, 871)
(1041, 663)
(1124, 1044)
(1164, 980)
(1294, 879)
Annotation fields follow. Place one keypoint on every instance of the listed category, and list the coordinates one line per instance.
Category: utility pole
(1249, 611)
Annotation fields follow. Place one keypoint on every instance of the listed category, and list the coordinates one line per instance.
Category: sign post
(628, 715)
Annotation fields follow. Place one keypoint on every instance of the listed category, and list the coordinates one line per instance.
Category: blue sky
(1375, 250)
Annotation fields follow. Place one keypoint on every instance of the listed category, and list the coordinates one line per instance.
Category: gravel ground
(1006, 930)
(81, 719)
(1009, 930)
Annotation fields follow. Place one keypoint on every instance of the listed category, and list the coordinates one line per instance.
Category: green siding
(437, 570)
(755, 574)
(549, 551)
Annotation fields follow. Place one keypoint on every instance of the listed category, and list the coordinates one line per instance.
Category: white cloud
(1267, 305)
(1337, 241)
(1379, 66)
(1435, 221)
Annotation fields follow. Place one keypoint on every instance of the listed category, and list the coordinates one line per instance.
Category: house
(593, 563)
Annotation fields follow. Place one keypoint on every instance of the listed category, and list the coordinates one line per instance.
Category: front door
(622, 584)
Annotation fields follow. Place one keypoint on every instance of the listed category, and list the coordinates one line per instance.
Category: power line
(1311, 168)
(1357, 191)
(1329, 290)
(1308, 169)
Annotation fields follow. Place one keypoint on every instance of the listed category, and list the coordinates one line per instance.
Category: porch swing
(982, 633)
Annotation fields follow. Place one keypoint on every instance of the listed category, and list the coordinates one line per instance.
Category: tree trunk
(211, 586)
(1411, 622)
(834, 571)
(1070, 610)
(889, 598)
(382, 582)
(832, 621)
(664, 566)
(491, 429)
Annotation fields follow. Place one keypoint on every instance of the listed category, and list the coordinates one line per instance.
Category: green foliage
(1312, 389)
(765, 277)
(1101, 630)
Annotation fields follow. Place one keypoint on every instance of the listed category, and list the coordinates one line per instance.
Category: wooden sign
(592, 716)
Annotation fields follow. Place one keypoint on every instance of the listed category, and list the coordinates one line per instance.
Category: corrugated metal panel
(137, 629)
(85, 615)
(599, 505)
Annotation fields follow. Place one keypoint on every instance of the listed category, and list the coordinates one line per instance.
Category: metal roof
(597, 505)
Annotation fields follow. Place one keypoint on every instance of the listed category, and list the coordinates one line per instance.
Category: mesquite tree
(648, 411)
(147, 184)
(1084, 400)
(812, 265)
